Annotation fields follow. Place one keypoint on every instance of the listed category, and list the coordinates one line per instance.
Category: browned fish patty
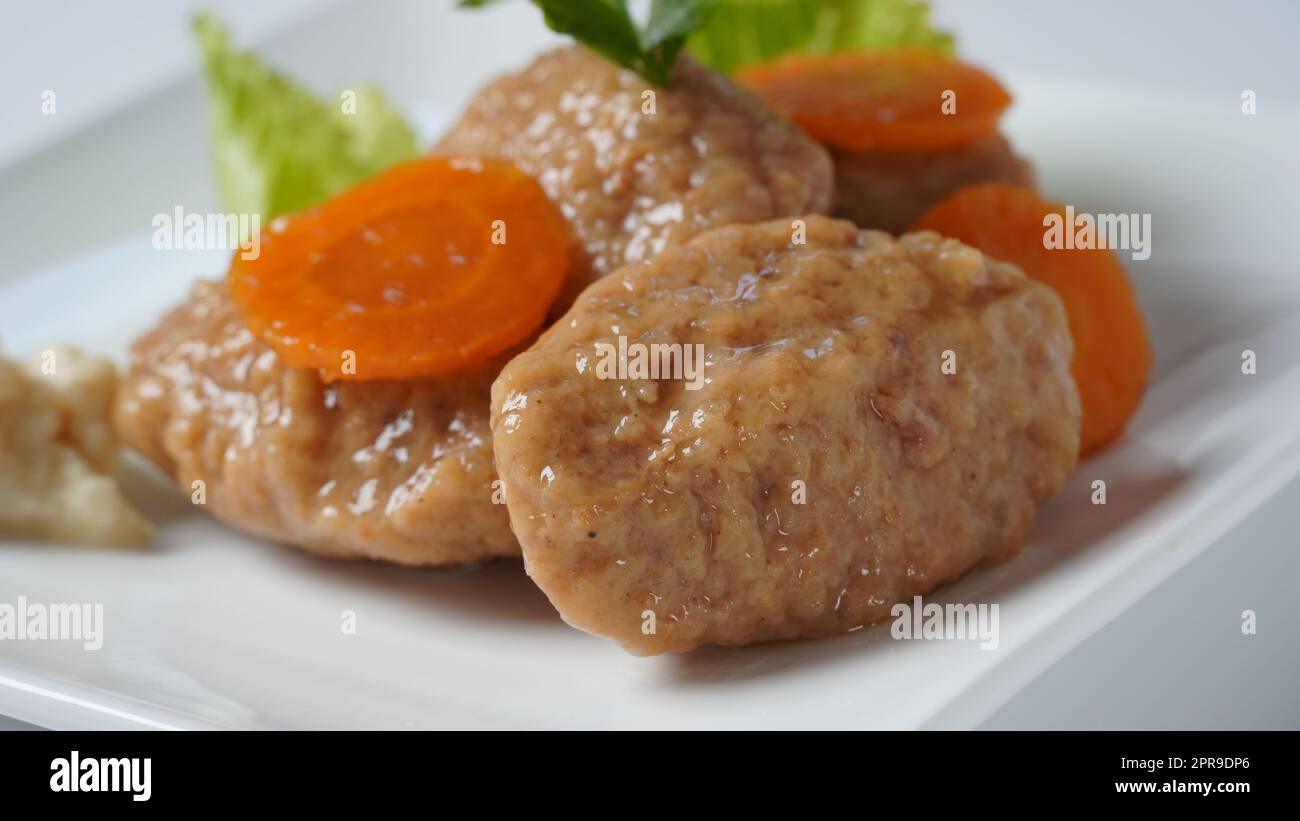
(890, 190)
(636, 169)
(403, 471)
(399, 471)
(827, 468)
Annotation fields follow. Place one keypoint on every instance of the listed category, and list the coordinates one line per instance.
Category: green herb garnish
(606, 26)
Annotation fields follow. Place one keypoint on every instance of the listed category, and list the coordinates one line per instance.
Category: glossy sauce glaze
(403, 471)
(636, 169)
(394, 470)
(830, 465)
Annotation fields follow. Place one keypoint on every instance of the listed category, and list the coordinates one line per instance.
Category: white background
(1177, 659)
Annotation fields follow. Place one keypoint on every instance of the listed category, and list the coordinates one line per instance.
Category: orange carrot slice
(432, 267)
(1112, 355)
(891, 100)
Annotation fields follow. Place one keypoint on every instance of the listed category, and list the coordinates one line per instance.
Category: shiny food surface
(403, 471)
(394, 470)
(635, 169)
(829, 465)
(424, 247)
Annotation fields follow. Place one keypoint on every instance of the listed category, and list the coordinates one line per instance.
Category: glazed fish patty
(632, 180)
(890, 190)
(827, 468)
(404, 471)
(399, 471)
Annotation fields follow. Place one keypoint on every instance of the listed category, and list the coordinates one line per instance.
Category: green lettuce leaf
(742, 33)
(280, 149)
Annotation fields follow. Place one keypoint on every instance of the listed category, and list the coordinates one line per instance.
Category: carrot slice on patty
(889, 100)
(1112, 354)
(430, 268)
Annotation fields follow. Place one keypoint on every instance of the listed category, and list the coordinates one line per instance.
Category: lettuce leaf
(742, 33)
(280, 149)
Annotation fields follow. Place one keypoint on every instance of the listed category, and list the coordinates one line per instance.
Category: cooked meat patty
(400, 471)
(632, 179)
(890, 190)
(404, 471)
(879, 416)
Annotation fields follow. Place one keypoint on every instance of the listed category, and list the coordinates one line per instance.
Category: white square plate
(214, 629)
